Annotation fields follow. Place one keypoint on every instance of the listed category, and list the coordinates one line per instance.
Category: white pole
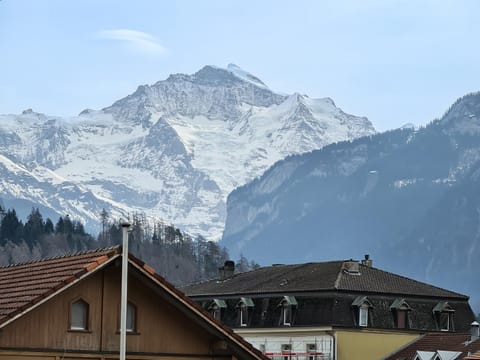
(123, 298)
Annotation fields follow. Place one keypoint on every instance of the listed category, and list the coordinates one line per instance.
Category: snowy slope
(173, 150)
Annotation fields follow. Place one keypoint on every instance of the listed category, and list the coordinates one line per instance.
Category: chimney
(226, 271)
(474, 331)
(367, 261)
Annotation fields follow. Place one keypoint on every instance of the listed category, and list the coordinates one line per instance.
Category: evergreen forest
(176, 255)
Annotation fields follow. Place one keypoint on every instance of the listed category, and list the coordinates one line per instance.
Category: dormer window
(400, 310)
(243, 307)
(79, 315)
(216, 307)
(287, 306)
(362, 307)
(443, 314)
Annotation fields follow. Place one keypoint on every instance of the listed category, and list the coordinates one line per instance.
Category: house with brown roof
(441, 346)
(329, 310)
(68, 308)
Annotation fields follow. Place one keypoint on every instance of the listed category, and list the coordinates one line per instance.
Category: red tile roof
(473, 356)
(435, 342)
(23, 286)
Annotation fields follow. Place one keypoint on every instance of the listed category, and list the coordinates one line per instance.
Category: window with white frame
(443, 314)
(362, 310)
(243, 314)
(287, 306)
(243, 307)
(79, 315)
(363, 315)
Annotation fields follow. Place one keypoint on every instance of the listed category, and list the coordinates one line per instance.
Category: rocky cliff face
(410, 198)
(173, 150)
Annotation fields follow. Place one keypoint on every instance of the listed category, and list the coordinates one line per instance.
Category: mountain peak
(464, 115)
(233, 74)
(245, 75)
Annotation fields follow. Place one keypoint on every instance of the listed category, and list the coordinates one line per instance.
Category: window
(243, 307)
(363, 315)
(400, 310)
(287, 304)
(312, 351)
(286, 351)
(215, 312)
(401, 319)
(287, 315)
(131, 318)
(443, 314)
(243, 315)
(445, 321)
(362, 308)
(216, 307)
(79, 315)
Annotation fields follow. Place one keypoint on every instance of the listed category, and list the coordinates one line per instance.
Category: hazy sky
(392, 61)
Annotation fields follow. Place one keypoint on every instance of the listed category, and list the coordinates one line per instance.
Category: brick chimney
(367, 261)
(226, 271)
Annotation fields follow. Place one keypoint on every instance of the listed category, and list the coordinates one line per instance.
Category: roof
(473, 356)
(25, 286)
(434, 342)
(22, 286)
(321, 276)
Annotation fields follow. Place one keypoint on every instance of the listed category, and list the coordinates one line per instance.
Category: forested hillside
(172, 253)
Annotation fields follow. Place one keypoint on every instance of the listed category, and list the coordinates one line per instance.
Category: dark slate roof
(314, 277)
(437, 341)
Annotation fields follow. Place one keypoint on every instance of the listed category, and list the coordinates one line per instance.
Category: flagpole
(123, 298)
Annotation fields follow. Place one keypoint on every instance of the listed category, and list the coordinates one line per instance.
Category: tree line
(174, 254)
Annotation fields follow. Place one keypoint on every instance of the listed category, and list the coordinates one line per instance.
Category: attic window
(443, 314)
(216, 307)
(400, 310)
(287, 305)
(79, 315)
(131, 318)
(362, 307)
(243, 307)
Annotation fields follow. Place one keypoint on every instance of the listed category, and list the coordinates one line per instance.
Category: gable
(166, 321)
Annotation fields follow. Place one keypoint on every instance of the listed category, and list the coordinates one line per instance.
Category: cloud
(137, 40)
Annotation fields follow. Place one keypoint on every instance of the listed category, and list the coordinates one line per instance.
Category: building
(329, 310)
(441, 346)
(68, 308)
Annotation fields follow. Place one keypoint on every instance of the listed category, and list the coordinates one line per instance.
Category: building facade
(330, 310)
(69, 308)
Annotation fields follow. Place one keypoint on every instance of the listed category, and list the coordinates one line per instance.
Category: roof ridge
(65, 255)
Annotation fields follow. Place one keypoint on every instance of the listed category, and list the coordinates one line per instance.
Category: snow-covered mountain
(173, 150)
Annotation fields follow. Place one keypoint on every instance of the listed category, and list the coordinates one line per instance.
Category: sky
(395, 62)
